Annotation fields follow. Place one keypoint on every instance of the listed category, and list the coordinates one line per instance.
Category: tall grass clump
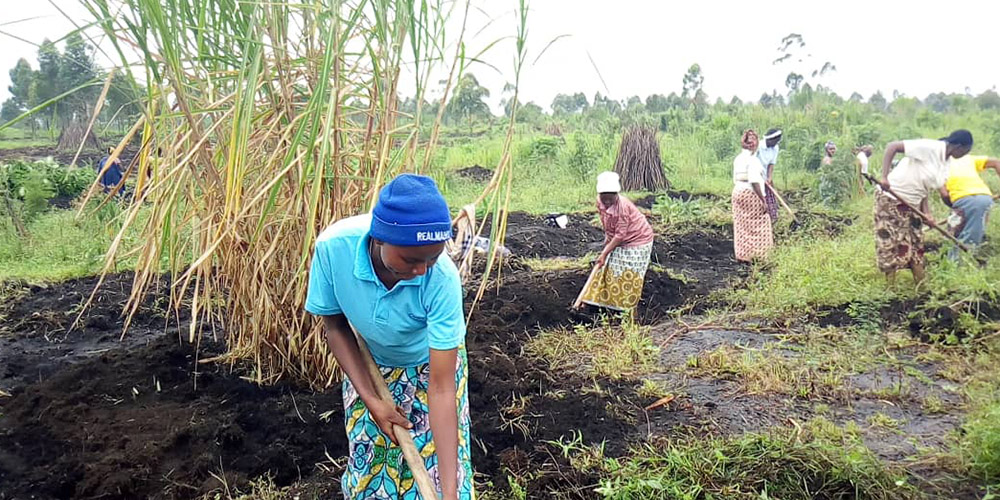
(274, 120)
(821, 461)
(981, 442)
(817, 272)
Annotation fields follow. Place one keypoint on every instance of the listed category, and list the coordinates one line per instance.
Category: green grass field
(828, 266)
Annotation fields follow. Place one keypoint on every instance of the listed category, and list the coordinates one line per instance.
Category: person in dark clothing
(113, 175)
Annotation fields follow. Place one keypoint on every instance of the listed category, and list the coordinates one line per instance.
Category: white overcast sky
(642, 47)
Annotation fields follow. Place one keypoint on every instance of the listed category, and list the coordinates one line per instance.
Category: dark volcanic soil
(126, 420)
(88, 157)
(130, 424)
(475, 173)
(530, 236)
(94, 417)
(703, 255)
(34, 337)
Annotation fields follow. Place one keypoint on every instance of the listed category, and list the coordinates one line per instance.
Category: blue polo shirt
(400, 325)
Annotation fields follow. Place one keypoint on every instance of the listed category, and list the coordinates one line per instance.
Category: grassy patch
(981, 443)
(819, 461)
(697, 213)
(14, 138)
(560, 263)
(816, 364)
(763, 371)
(806, 273)
(59, 245)
(608, 349)
(882, 421)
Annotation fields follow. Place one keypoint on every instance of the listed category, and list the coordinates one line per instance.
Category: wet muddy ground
(90, 416)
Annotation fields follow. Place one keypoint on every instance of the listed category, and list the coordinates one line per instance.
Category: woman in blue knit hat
(384, 274)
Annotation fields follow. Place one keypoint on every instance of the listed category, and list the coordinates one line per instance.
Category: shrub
(582, 159)
(982, 441)
(544, 148)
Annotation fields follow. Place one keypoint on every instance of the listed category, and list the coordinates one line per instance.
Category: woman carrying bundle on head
(384, 275)
(628, 245)
(752, 233)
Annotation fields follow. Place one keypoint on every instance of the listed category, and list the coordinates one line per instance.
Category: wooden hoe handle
(420, 475)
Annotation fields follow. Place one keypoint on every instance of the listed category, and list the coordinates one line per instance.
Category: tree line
(61, 90)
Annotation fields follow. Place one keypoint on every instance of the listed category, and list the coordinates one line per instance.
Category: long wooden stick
(590, 279)
(781, 200)
(420, 475)
(927, 220)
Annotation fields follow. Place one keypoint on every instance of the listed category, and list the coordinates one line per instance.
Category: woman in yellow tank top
(970, 198)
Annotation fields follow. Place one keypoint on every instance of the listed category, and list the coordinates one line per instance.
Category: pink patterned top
(623, 219)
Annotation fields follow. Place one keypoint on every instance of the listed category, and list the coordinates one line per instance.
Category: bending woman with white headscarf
(628, 245)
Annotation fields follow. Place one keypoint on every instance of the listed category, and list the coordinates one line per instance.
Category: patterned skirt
(375, 467)
(618, 285)
(899, 240)
(752, 233)
(772, 204)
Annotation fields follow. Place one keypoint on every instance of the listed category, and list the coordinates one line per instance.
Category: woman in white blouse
(752, 232)
(862, 154)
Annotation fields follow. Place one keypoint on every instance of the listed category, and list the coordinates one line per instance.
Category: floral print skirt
(376, 468)
(618, 285)
(899, 239)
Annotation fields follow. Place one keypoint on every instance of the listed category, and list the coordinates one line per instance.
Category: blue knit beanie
(411, 212)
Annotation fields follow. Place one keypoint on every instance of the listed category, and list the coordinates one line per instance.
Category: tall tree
(793, 81)
(76, 68)
(21, 78)
(657, 103)
(693, 80)
(792, 53)
(530, 113)
(564, 104)
(123, 102)
(607, 104)
(46, 84)
(467, 102)
(508, 101)
(9, 110)
(878, 100)
(988, 100)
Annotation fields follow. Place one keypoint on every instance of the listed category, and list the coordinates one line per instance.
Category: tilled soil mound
(475, 173)
(92, 417)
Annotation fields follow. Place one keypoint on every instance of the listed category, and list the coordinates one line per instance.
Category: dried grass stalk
(638, 163)
(274, 119)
